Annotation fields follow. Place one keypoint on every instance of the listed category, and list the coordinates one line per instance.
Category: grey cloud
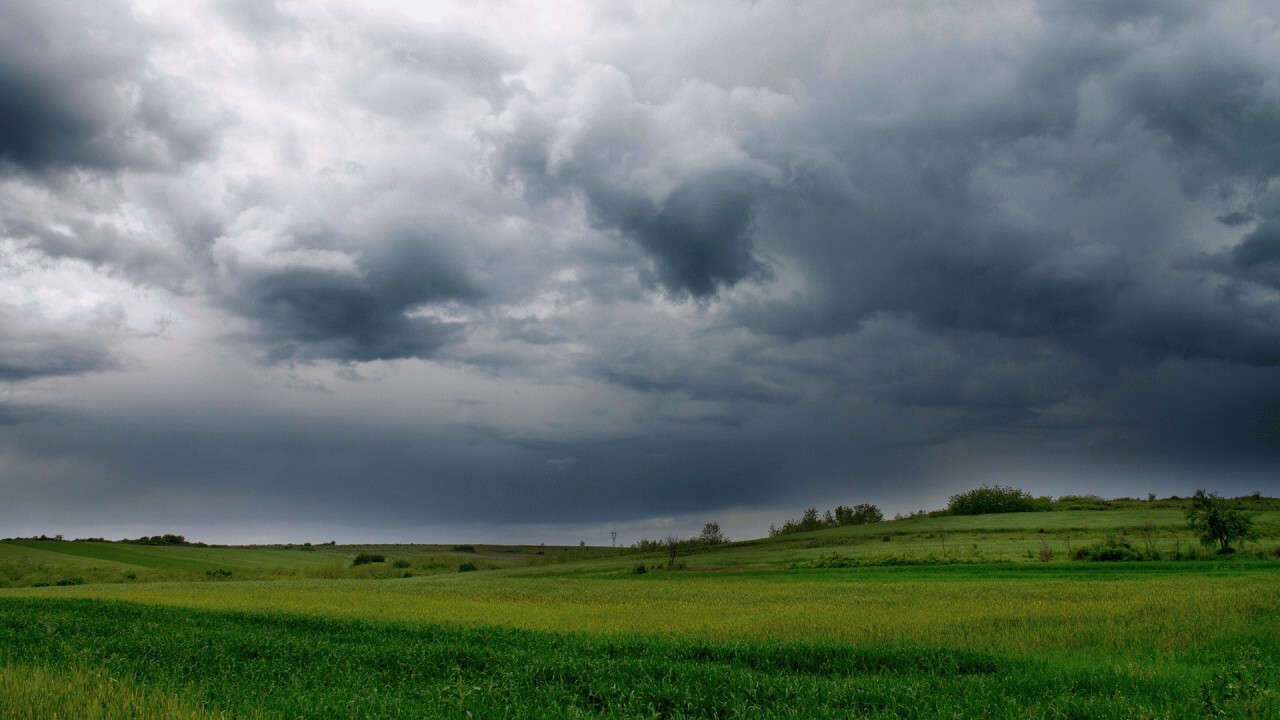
(31, 348)
(1235, 218)
(699, 237)
(99, 243)
(76, 90)
(1260, 247)
(257, 18)
(354, 315)
(412, 61)
(409, 478)
(691, 209)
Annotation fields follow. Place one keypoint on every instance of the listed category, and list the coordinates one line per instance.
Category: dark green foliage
(1216, 522)
(281, 666)
(365, 558)
(165, 539)
(464, 548)
(218, 573)
(1081, 502)
(639, 569)
(711, 534)
(1109, 550)
(466, 567)
(70, 581)
(400, 564)
(860, 514)
(995, 499)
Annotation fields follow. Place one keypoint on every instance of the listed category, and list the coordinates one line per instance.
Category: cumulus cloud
(76, 90)
(555, 264)
(673, 177)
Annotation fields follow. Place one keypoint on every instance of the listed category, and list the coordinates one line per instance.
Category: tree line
(841, 515)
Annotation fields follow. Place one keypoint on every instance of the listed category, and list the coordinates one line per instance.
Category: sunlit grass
(42, 693)
(1141, 611)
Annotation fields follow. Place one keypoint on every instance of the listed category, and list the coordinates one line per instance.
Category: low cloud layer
(520, 272)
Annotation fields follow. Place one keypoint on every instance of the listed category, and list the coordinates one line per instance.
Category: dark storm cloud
(716, 256)
(76, 90)
(289, 468)
(691, 214)
(354, 314)
(915, 220)
(1260, 248)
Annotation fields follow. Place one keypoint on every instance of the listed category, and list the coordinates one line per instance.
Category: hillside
(1157, 528)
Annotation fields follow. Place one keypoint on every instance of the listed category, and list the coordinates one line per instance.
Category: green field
(834, 623)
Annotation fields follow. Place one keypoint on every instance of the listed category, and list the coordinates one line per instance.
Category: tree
(711, 534)
(673, 544)
(1215, 522)
(865, 514)
(810, 521)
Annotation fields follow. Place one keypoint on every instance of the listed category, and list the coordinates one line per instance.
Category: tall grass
(71, 693)
(245, 664)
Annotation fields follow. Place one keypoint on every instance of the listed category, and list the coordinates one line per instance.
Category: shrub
(70, 581)
(1046, 554)
(401, 563)
(218, 573)
(1109, 550)
(466, 567)
(463, 548)
(366, 558)
(638, 569)
(995, 499)
(860, 514)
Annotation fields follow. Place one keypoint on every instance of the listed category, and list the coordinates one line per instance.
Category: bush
(366, 558)
(639, 569)
(860, 514)
(1046, 554)
(463, 548)
(218, 573)
(70, 581)
(1109, 550)
(995, 499)
(401, 563)
(467, 567)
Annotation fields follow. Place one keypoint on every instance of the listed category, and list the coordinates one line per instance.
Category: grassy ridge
(266, 665)
(1012, 537)
(26, 562)
(178, 557)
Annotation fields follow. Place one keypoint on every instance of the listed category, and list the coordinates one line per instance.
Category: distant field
(24, 563)
(744, 630)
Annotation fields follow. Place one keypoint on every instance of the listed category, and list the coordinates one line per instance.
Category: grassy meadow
(922, 617)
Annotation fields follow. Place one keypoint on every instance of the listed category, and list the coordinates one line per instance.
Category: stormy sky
(507, 271)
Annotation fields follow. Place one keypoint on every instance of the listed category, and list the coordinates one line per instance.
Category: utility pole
(614, 533)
